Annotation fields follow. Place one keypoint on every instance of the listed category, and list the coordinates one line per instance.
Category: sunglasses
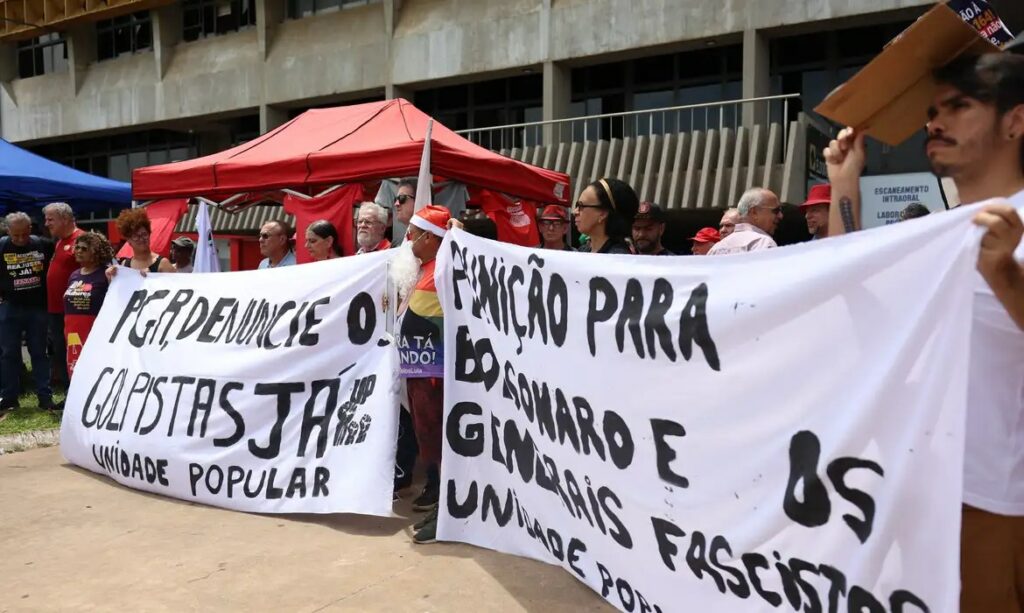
(402, 198)
(266, 236)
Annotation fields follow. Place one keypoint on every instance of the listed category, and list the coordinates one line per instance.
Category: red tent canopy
(324, 147)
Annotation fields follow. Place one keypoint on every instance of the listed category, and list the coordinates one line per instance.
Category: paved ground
(72, 540)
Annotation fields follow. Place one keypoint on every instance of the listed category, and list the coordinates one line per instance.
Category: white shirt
(994, 452)
(745, 237)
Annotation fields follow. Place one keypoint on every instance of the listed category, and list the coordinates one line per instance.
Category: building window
(43, 55)
(211, 17)
(813, 65)
(244, 129)
(115, 157)
(124, 35)
(657, 82)
(298, 9)
(497, 102)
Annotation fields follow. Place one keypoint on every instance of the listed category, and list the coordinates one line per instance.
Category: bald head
(730, 218)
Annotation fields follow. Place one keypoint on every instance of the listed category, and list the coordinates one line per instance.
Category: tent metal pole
(299, 195)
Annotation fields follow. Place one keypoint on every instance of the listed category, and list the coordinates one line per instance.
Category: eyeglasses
(368, 222)
(580, 205)
(402, 198)
(551, 223)
(776, 210)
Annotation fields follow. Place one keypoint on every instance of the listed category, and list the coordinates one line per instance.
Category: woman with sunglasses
(87, 287)
(322, 241)
(133, 224)
(605, 213)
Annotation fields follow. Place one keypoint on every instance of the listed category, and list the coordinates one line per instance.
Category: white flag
(425, 180)
(206, 251)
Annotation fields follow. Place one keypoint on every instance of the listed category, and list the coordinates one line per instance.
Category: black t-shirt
(610, 246)
(23, 271)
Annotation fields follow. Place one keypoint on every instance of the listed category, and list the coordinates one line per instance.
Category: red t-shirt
(61, 267)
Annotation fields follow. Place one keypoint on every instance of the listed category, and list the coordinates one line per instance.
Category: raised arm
(995, 259)
(845, 158)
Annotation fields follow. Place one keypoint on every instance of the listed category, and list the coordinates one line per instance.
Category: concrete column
(756, 75)
(391, 11)
(557, 98)
(8, 62)
(81, 42)
(167, 26)
(392, 91)
(271, 117)
(8, 73)
(269, 15)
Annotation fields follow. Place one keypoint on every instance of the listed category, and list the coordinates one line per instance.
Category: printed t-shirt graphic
(421, 338)
(82, 302)
(24, 272)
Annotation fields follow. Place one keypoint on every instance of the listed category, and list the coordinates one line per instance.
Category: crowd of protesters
(52, 289)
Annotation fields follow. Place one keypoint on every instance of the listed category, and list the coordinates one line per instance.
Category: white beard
(405, 269)
(365, 240)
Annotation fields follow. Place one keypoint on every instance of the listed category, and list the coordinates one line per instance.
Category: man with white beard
(371, 222)
(420, 346)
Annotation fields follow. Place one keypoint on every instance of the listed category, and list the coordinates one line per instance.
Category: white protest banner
(883, 197)
(270, 391)
(726, 433)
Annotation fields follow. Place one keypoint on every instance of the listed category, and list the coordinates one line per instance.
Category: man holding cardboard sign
(975, 123)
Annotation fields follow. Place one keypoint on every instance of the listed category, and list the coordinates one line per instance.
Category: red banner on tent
(163, 216)
(336, 207)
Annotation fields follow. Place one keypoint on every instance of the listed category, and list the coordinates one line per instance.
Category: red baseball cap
(554, 212)
(706, 235)
(819, 194)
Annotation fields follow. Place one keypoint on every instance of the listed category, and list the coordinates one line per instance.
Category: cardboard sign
(889, 98)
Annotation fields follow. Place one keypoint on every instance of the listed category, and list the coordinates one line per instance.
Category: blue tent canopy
(28, 181)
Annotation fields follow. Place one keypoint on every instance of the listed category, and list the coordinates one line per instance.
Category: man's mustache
(939, 138)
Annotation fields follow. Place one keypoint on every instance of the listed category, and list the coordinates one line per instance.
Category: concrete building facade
(122, 84)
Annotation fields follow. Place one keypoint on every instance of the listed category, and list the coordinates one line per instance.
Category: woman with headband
(605, 213)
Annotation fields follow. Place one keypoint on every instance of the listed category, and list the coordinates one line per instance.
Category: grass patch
(29, 418)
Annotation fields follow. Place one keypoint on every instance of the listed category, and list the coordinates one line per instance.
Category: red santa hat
(433, 219)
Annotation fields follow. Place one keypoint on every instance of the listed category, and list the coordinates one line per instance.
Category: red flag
(336, 207)
(516, 220)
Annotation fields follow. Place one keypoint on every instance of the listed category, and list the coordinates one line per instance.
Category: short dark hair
(325, 229)
(913, 211)
(992, 78)
(406, 182)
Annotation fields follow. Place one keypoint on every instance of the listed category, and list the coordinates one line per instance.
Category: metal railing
(669, 120)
